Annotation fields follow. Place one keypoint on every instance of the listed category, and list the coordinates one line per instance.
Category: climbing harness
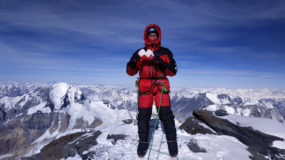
(153, 85)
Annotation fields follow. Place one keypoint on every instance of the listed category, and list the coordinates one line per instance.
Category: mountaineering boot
(142, 148)
(172, 148)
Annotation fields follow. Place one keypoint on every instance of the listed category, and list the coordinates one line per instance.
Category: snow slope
(267, 126)
(218, 147)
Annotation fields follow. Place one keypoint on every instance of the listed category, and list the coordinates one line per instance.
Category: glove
(144, 56)
(135, 58)
(147, 55)
(133, 61)
(161, 64)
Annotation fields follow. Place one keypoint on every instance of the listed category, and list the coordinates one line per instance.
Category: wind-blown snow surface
(218, 147)
(103, 102)
(267, 126)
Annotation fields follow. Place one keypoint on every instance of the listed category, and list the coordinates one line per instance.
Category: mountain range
(64, 121)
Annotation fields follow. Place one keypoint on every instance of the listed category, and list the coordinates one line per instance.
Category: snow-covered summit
(58, 93)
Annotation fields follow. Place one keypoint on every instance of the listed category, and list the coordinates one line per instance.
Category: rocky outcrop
(68, 146)
(259, 144)
(2, 115)
(116, 137)
(279, 105)
(17, 134)
(127, 121)
(183, 107)
(193, 126)
(194, 147)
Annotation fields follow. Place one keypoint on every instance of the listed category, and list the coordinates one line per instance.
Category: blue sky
(220, 44)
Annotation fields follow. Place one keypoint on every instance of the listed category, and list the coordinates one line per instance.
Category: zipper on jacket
(151, 64)
(149, 70)
(155, 70)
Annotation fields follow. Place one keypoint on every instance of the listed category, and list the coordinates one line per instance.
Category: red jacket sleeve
(167, 63)
(131, 65)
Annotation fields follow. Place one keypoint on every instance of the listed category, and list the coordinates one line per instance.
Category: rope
(158, 151)
(156, 121)
(159, 146)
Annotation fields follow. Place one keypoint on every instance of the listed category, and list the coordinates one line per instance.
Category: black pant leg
(167, 118)
(143, 123)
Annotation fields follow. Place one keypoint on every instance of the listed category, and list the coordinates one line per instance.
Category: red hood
(157, 43)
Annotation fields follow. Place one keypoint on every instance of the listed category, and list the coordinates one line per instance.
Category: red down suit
(152, 72)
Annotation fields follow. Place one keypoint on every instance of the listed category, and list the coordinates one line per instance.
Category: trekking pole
(123, 105)
(138, 93)
(126, 107)
(159, 147)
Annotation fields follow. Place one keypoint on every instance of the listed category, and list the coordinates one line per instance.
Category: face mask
(152, 39)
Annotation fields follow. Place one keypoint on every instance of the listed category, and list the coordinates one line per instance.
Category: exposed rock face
(128, 121)
(2, 115)
(194, 126)
(194, 147)
(280, 107)
(259, 144)
(95, 123)
(68, 146)
(183, 107)
(116, 137)
(221, 113)
(22, 131)
(19, 134)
